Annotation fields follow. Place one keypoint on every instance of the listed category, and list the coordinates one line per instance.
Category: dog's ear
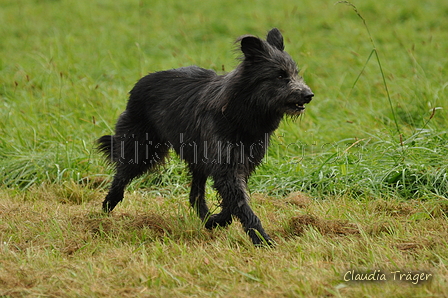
(275, 39)
(252, 46)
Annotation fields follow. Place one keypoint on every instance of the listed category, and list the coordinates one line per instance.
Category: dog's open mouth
(295, 108)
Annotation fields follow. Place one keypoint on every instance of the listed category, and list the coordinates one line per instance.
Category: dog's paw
(261, 239)
(217, 220)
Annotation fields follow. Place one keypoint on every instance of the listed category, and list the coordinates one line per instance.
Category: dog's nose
(308, 96)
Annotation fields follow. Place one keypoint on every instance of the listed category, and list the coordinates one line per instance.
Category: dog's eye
(282, 75)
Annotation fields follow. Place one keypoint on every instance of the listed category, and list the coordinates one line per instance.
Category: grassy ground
(358, 184)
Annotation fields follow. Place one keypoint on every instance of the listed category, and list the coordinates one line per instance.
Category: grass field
(358, 186)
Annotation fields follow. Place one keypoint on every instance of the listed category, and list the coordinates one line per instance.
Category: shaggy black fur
(219, 124)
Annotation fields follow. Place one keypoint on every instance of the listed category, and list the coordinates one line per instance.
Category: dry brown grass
(154, 247)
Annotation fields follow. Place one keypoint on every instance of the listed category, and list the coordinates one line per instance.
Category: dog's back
(170, 101)
(170, 87)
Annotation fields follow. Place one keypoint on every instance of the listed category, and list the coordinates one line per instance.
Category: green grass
(369, 155)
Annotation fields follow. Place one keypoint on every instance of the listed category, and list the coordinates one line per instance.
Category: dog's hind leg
(122, 178)
(133, 157)
(125, 174)
(197, 195)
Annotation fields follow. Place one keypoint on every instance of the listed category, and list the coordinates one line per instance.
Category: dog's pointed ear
(252, 46)
(275, 39)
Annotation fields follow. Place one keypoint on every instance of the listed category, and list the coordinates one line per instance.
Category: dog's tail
(105, 145)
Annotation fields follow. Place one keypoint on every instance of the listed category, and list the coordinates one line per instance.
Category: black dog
(219, 124)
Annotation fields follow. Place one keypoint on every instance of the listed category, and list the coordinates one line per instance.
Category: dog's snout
(308, 96)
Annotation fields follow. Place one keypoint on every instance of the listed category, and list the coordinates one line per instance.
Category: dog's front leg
(235, 202)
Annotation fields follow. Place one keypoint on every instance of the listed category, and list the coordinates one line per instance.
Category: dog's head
(273, 75)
